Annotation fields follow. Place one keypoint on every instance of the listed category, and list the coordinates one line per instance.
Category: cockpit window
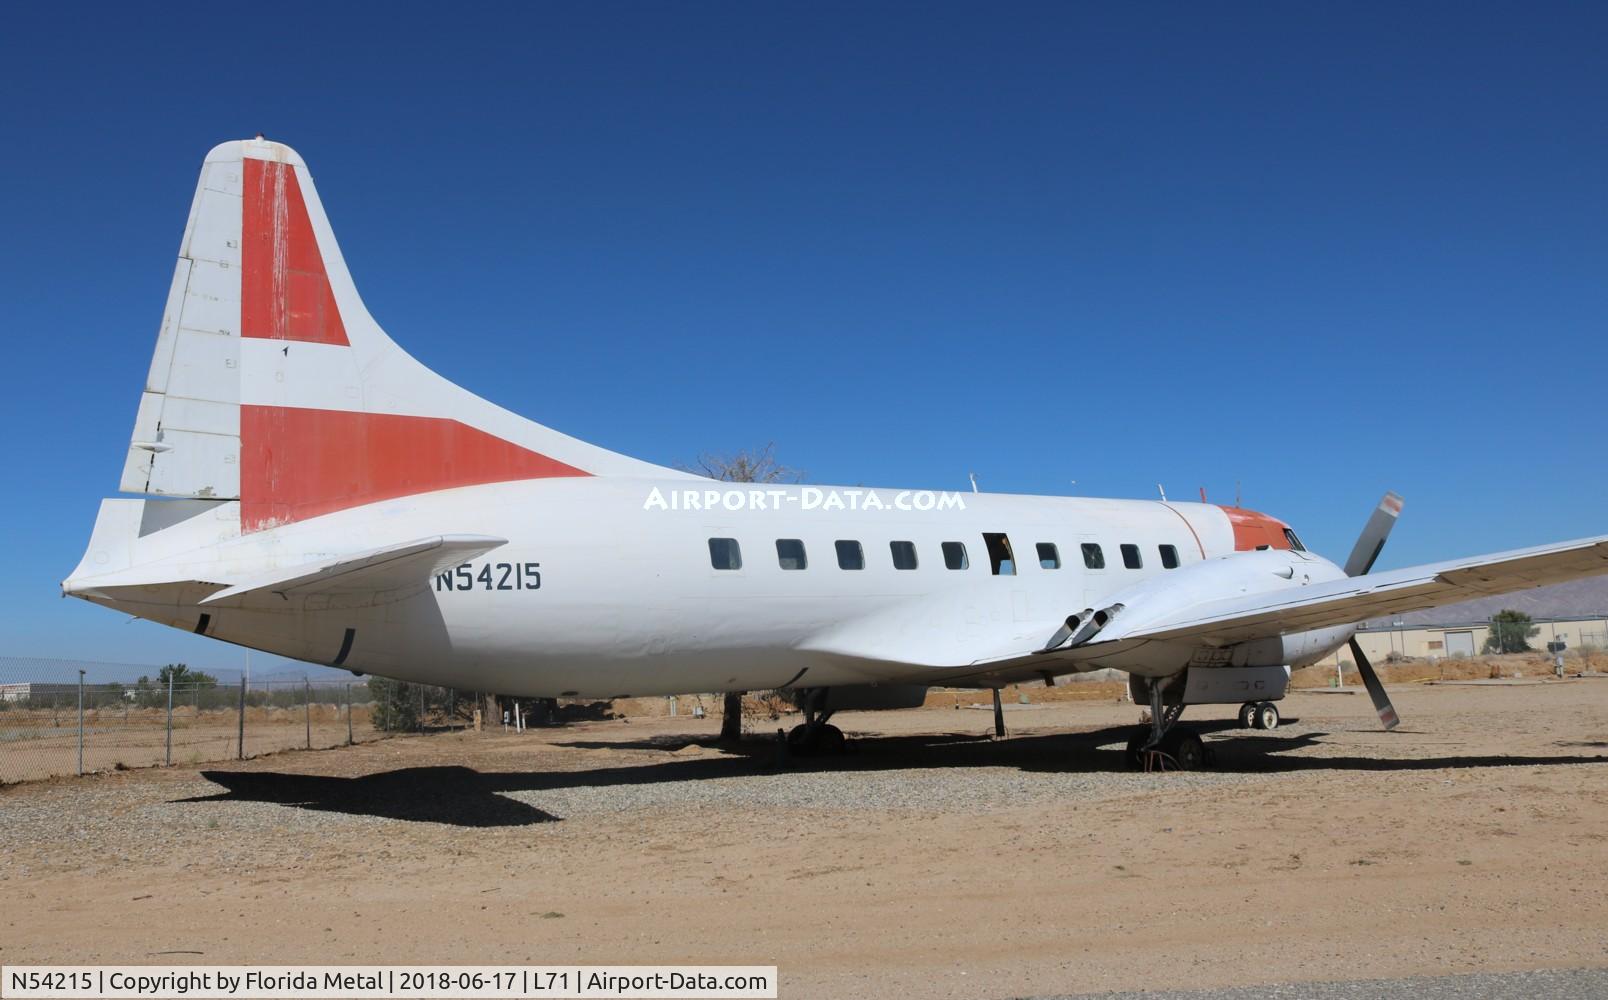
(1295, 542)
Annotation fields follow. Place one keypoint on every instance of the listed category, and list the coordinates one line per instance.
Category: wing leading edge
(1344, 602)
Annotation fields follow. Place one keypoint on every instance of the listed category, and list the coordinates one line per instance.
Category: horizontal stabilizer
(390, 568)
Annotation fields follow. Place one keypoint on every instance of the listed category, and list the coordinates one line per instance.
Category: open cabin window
(790, 553)
(724, 553)
(850, 555)
(1001, 562)
(1049, 556)
(955, 555)
(904, 554)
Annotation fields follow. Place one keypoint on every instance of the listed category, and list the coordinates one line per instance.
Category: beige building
(1432, 642)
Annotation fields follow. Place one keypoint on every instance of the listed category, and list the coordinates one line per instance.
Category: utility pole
(80, 722)
(168, 757)
(240, 736)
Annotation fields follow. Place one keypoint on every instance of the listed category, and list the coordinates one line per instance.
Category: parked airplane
(314, 491)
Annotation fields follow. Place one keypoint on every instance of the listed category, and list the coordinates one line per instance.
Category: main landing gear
(815, 736)
(1259, 715)
(1163, 746)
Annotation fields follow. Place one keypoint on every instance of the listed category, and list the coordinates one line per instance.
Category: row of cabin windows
(725, 553)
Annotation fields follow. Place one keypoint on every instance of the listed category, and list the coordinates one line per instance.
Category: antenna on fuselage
(1163, 491)
(973, 477)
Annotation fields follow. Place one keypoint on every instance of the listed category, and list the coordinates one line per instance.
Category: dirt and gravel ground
(930, 862)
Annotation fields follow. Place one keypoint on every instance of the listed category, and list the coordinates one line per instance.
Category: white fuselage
(606, 586)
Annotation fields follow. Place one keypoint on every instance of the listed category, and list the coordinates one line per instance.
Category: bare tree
(758, 465)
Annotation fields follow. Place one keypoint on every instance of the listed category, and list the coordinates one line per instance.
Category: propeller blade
(1373, 535)
(1387, 712)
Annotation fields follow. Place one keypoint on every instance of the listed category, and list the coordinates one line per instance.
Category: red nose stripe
(1253, 530)
(300, 463)
(284, 291)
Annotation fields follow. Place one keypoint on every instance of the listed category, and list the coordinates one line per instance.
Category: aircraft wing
(402, 566)
(1343, 602)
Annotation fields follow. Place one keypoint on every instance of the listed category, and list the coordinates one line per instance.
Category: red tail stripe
(284, 290)
(300, 463)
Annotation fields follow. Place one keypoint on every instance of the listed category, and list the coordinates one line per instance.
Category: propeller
(1363, 555)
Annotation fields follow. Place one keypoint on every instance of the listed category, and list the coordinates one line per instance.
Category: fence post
(348, 713)
(80, 722)
(307, 700)
(240, 739)
(168, 757)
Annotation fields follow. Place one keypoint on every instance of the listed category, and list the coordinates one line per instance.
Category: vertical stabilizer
(272, 384)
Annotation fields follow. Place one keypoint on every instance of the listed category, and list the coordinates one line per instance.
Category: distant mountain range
(1586, 598)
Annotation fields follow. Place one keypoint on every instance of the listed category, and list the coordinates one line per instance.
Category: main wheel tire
(1247, 715)
(1187, 749)
(1135, 743)
(799, 741)
(1267, 715)
(829, 741)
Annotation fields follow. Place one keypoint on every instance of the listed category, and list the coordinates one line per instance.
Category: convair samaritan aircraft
(311, 490)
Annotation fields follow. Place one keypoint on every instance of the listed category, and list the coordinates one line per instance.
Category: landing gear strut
(815, 735)
(1164, 747)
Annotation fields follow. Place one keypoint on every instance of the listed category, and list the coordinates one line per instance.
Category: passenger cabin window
(790, 553)
(1295, 543)
(904, 554)
(1169, 557)
(955, 555)
(850, 555)
(1130, 556)
(1049, 556)
(1093, 557)
(1001, 562)
(724, 553)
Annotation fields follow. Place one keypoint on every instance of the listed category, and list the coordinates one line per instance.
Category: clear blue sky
(1323, 250)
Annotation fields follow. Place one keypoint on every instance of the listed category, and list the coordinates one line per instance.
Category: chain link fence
(63, 717)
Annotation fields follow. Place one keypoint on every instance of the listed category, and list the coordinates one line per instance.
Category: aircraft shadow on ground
(463, 796)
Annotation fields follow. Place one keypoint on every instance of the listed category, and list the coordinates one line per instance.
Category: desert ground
(930, 861)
